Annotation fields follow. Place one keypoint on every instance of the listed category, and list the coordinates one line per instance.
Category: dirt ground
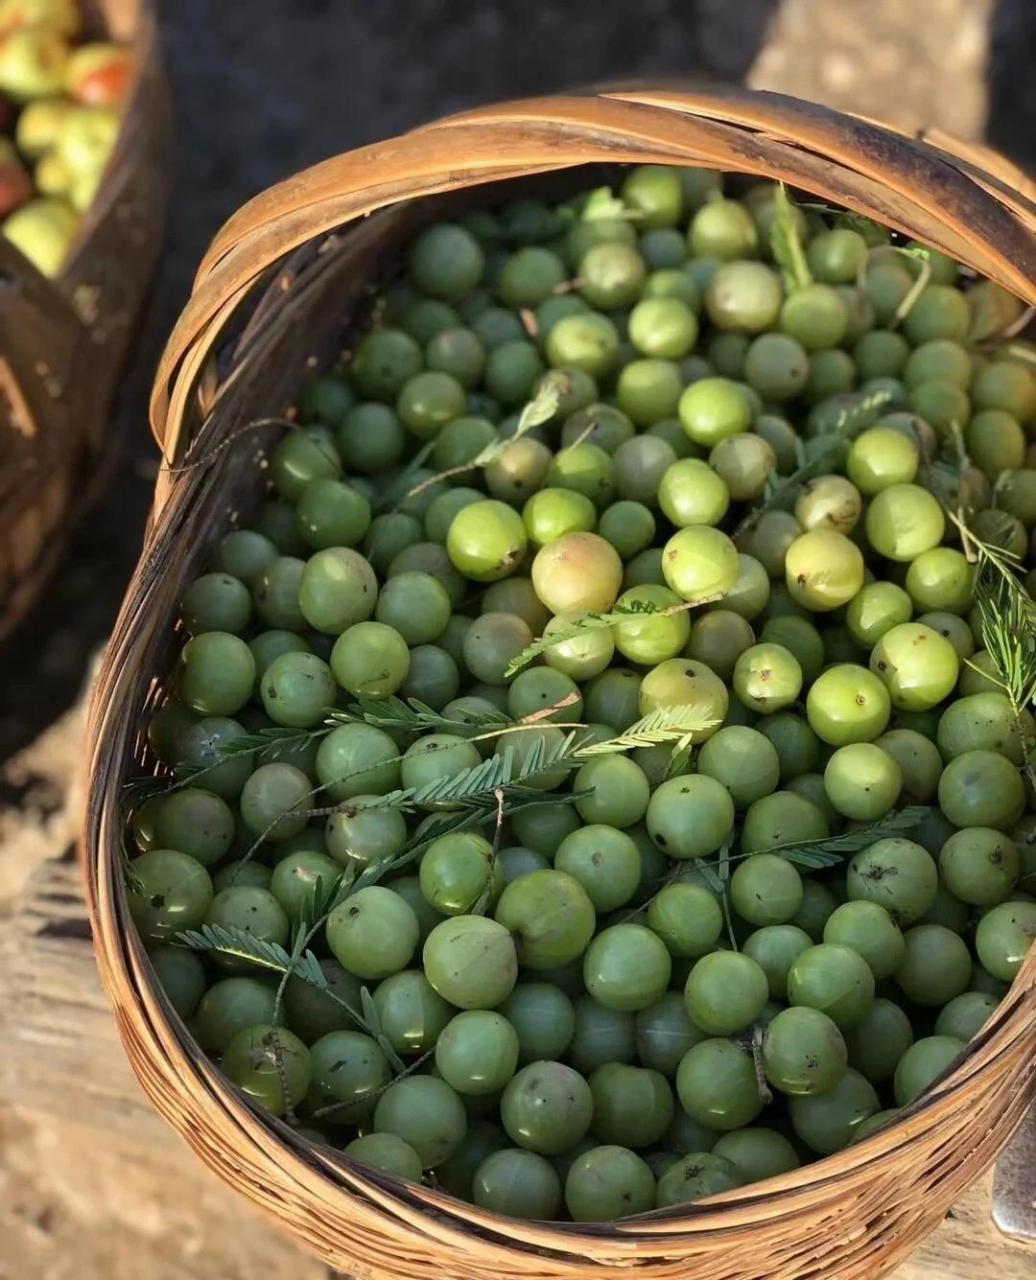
(91, 1184)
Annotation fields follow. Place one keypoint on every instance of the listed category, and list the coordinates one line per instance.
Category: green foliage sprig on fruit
(1007, 618)
(610, 742)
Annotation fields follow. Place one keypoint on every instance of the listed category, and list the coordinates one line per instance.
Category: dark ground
(265, 87)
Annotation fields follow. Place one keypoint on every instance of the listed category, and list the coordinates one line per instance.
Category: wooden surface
(93, 1184)
(95, 1177)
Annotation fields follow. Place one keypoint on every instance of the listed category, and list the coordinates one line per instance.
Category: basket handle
(936, 193)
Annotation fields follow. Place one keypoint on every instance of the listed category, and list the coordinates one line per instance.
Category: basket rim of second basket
(142, 45)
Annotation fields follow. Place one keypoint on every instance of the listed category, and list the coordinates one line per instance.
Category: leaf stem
(541, 408)
(915, 290)
(757, 1058)
(594, 621)
(728, 919)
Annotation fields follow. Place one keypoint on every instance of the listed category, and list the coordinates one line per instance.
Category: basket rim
(921, 189)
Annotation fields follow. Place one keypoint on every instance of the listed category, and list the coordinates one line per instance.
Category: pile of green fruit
(60, 101)
(601, 775)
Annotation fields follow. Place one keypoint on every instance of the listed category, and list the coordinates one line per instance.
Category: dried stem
(757, 1058)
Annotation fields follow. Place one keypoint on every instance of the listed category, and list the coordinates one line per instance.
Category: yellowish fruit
(43, 230)
(52, 175)
(59, 15)
(86, 139)
(83, 189)
(98, 74)
(32, 63)
(39, 125)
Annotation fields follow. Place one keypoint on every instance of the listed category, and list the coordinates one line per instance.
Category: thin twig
(729, 919)
(282, 1075)
(408, 1070)
(485, 898)
(540, 409)
(499, 793)
(216, 450)
(757, 1058)
(915, 290)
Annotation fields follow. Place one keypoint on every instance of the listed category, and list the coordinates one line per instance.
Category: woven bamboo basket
(63, 341)
(267, 309)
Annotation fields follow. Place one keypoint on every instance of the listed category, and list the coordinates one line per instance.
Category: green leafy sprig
(412, 467)
(372, 1021)
(415, 716)
(511, 772)
(814, 855)
(923, 256)
(679, 761)
(471, 797)
(831, 850)
(317, 904)
(595, 621)
(603, 204)
(786, 244)
(1007, 621)
(668, 724)
(260, 743)
(470, 787)
(555, 384)
(780, 490)
(514, 800)
(477, 785)
(501, 784)
(718, 879)
(300, 962)
(811, 855)
(846, 218)
(239, 945)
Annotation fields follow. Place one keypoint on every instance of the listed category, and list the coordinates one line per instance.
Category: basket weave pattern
(240, 353)
(63, 341)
